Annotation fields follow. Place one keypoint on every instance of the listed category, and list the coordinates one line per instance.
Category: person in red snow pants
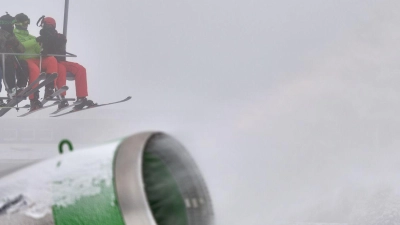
(80, 77)
(49, 65)
(55, 43)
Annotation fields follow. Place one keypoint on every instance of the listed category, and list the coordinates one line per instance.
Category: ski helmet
(49, 21)
(7, 22)
(46, 22)
(22, 18)
(22, 21)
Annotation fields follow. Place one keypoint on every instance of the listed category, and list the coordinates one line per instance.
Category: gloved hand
(39, 39)
(44, 53)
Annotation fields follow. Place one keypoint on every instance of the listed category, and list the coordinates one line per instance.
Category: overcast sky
(285, 105)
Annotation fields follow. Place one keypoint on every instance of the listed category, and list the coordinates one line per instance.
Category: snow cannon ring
(147, 179)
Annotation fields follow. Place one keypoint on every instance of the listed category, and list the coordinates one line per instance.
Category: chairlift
(70, 76)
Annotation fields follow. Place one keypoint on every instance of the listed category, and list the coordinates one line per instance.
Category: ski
(42, 76)
(67, 107)
(68, 99)
(28, 91)
(14, 107)
(39, 109)
(56, 93)
(91, 107)
(44, 101)
(48, 79)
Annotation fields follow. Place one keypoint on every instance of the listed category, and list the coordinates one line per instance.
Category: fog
(290, 108)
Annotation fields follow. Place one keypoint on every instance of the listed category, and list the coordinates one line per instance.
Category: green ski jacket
(29, 42)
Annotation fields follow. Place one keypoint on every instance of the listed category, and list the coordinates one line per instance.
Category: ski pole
(3, 57)
(40, 64)
(19, 64)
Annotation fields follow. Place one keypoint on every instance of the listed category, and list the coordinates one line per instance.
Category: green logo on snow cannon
(65, 142)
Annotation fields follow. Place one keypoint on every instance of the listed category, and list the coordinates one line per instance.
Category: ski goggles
(3, 22)
(7, 22)
(26, 22)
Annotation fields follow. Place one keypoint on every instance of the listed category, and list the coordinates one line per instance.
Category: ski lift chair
(70, 76)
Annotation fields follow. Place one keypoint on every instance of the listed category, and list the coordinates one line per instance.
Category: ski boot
(49, 90)
(2, 104)
(85, 102)
(14, 92)
(35, 104)
(19, 90)
(63, 103)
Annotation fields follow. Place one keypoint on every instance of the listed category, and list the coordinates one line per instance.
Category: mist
(289, 108)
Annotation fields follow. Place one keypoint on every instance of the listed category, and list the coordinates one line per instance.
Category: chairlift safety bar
(3, 57)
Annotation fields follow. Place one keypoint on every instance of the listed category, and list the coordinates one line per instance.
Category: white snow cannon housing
(145, 179)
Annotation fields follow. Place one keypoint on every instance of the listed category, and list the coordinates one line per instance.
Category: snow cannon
(145, 179)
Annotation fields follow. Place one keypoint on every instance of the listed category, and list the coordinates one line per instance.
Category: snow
(59, 181)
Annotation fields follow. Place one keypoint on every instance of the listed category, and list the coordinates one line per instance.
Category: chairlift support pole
(65, 27)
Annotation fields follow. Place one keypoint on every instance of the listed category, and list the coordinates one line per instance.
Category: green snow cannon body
(145, 179)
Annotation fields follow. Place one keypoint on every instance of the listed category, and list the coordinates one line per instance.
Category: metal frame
(129, 185)
(65, 29)
(3, 56)
(66, 11)
(31, 54)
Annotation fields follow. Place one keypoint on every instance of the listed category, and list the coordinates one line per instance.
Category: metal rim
(128, 181)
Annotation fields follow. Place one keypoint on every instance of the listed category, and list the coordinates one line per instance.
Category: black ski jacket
(9, 43)
(53, 43)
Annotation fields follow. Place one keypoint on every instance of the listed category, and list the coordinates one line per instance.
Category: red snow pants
(49, 64)
(80, 77)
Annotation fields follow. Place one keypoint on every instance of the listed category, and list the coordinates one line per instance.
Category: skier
(32, 46)
(55, 43)
(13, 67)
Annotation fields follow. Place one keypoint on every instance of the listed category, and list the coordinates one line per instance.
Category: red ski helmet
(49, 21)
